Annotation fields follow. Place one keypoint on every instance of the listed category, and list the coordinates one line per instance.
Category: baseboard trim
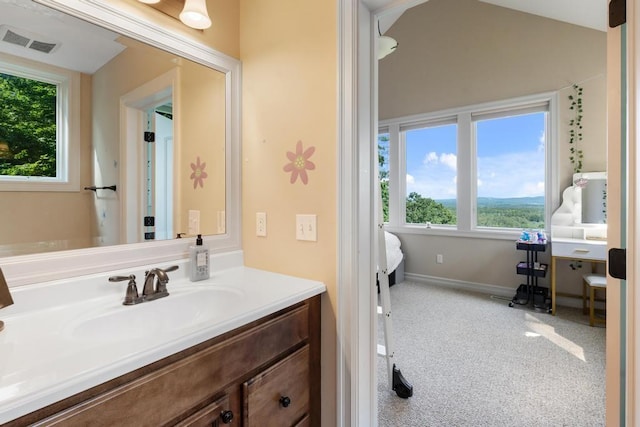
(500, 291)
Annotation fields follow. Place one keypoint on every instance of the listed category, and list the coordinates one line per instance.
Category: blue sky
(510, 158)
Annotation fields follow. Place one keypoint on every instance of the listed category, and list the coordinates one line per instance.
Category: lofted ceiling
(586, 13)
(83, 47)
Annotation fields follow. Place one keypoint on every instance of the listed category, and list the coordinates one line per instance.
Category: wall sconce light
(195, 14)
(192, 13)
(386, 45)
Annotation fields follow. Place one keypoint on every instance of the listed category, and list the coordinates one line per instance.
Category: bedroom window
(477, 169)
(383, 172)
(431, 165)
(510, 158)
(35, 120)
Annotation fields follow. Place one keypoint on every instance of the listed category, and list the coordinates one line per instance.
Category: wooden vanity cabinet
(279, 395)
(266, 373)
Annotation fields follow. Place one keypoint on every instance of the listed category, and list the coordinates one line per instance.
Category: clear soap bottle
(199, 261)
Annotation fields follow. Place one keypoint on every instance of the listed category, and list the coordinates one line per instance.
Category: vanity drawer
(279, 396)
(579, 250)
(213, 415)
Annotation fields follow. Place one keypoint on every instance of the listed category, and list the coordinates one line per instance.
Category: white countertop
(53, 347)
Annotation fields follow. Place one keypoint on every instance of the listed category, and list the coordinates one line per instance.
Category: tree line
(27, 127)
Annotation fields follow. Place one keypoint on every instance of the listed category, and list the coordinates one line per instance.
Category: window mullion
(397, 169)
(466, 171)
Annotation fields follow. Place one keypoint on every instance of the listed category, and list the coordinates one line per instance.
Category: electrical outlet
(194, 222)
(306, 228)
(439, 259)
(261, 224)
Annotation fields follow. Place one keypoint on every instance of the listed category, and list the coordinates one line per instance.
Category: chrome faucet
(149, 291)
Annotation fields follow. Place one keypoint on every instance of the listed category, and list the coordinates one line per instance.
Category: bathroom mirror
(121, 17)
(593, 193)
(181, 182)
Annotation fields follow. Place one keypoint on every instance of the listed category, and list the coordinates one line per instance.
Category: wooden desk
(593, 251)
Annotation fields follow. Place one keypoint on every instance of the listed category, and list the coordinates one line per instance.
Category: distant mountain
(502, 202)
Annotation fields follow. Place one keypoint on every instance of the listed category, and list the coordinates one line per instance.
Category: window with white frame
(431, 166)
(479, 168)
(38, 149)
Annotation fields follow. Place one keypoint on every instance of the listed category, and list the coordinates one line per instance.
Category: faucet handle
(131, 297)
(172, 268)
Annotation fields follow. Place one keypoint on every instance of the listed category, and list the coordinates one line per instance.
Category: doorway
(158, 181)
(356, 317)
(148, 137)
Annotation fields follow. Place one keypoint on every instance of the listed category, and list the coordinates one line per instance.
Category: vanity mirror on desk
(579, 225)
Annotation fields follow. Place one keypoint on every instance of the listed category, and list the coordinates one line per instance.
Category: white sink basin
(184, 308)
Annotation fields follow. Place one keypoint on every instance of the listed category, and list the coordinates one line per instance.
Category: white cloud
(512, 175)
(541, 141)
(431, 157)
(450, 160)
(410, 180)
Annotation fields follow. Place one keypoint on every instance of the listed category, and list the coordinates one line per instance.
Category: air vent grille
(14, 38)
(42, 46)
(26, 39)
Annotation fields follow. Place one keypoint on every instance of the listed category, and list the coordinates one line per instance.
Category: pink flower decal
(300, 163)
(198, 175)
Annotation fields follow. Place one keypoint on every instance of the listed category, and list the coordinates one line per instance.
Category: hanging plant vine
(575, 129)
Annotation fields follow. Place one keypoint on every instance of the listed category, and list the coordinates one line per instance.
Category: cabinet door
(215, 414)
(279, 396)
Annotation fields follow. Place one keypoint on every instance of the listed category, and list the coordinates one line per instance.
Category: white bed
(395, 258)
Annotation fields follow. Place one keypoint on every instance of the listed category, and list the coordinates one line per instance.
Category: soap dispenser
(199, 260)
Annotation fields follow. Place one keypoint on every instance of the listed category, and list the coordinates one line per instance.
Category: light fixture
(149, 1)
(195, 14)
(386, 45)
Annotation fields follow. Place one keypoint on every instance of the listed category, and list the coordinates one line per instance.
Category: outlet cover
(194, 222)
(261, 224)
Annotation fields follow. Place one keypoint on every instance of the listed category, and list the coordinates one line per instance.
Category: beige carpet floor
(474, 361)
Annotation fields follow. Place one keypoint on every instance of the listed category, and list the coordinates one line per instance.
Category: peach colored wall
(202, 134)
(288, 52)
(60, 220)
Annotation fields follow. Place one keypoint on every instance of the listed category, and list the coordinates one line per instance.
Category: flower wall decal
(299, 163)
(198, 175)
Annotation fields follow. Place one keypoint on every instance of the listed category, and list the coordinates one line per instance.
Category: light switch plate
(306, 228)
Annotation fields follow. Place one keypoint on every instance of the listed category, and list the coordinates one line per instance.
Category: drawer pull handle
(285, 401)
(582, 251)
(226, 417)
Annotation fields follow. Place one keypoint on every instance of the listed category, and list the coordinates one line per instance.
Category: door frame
(356, 165)
(133, 108)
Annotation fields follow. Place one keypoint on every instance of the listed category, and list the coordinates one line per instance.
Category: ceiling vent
(27, 40)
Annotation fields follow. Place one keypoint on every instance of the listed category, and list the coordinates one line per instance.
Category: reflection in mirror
(593, 189)
(170, 183)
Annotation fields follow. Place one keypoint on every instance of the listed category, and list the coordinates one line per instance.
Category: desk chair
(591, 283)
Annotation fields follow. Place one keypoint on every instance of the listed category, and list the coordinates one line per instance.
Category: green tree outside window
(27, 127)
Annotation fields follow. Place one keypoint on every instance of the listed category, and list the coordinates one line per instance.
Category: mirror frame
(29, 269)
